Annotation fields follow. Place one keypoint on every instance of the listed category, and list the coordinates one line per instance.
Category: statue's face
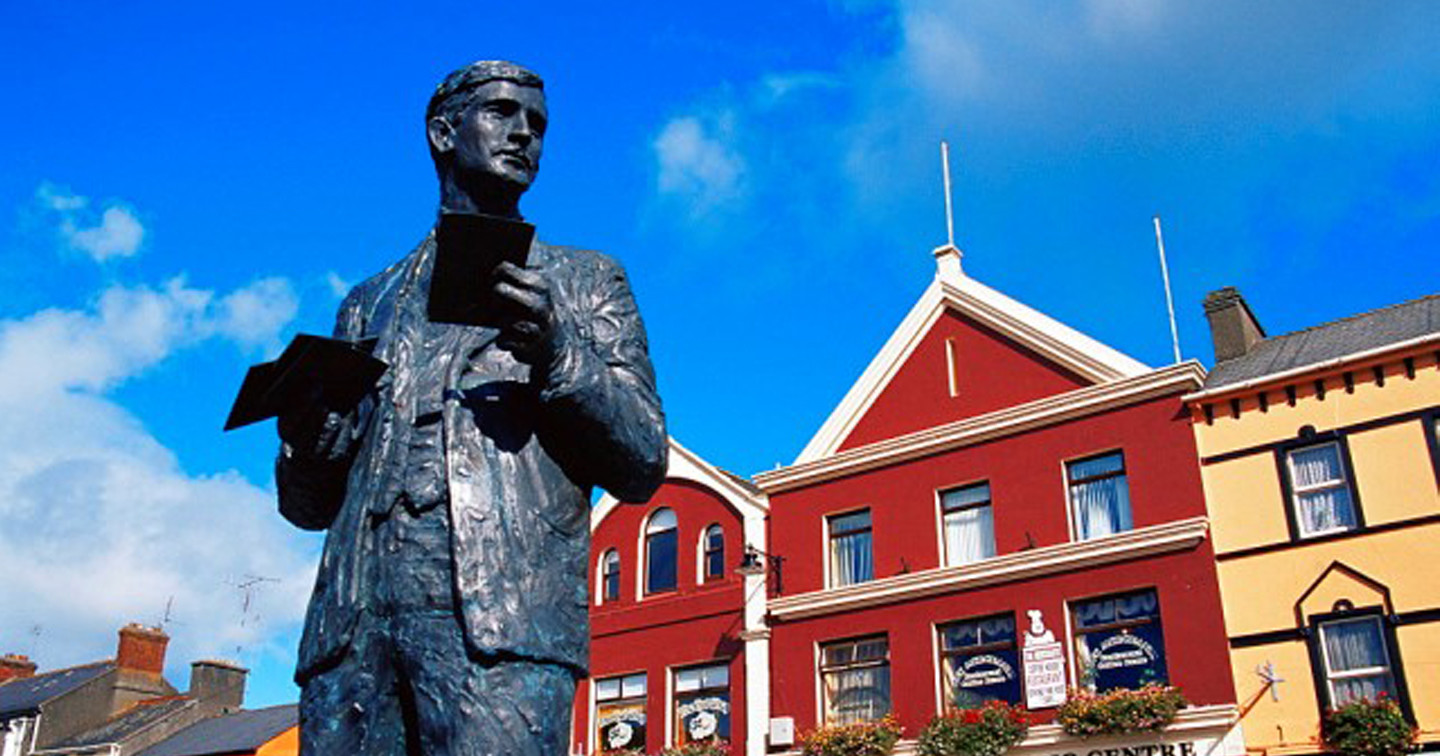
(501, 134)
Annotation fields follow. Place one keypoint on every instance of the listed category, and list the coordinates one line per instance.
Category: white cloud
(101, 523)
(338, 286)
(254, 316)
(696, 165)
(115, 233)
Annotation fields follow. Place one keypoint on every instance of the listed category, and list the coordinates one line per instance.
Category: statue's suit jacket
(522, 448)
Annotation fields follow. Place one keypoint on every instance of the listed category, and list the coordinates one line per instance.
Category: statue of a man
(449, 613)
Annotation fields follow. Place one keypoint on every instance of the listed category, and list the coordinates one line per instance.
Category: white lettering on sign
(1186, 748)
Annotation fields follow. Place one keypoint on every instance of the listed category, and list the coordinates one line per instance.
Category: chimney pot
(1234, 330)
(142, 648)
(15, 667)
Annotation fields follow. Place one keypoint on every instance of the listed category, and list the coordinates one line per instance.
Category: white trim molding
(953, 290)
(1051, 410)
(1179, 535)
(1314, 367)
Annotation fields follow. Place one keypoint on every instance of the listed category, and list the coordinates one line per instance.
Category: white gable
(953, 290)
(687, 465)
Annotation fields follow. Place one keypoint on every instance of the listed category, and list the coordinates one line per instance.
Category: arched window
(610, 576)
(661, 540)
(713, 552)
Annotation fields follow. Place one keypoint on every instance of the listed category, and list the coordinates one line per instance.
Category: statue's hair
(453, 94)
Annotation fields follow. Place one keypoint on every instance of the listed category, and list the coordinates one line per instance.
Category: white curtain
(1352, 646)
(850, 560)
(1102, 507)
(1328, 508)
(857, 695)
(969, 535)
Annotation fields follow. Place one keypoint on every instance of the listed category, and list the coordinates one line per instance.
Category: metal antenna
(949, 209)
(1169, 301)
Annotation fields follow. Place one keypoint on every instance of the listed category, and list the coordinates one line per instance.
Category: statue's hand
(313, 432)
(529, 325)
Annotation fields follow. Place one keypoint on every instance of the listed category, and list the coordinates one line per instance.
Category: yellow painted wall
(1259, 592)
(1395, 480)
(286, 743)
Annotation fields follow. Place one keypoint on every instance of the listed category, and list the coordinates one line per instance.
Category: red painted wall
(699, 622)
(1026, 476)
(992, 372)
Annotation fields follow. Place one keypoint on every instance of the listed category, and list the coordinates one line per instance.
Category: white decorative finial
(947, 256)
(949, 210)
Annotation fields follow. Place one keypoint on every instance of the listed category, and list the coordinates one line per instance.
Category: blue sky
(187, 185)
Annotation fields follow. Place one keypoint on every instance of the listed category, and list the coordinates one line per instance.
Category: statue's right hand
(313, 432)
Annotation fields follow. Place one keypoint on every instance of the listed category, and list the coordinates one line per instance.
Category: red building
(1001, 507)
(677, 650)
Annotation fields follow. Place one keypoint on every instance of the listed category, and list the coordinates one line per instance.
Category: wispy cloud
(114, 232)
(696, 163)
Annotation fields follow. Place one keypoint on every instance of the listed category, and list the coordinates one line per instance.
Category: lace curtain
(1355, 654)
(1321, 496)
(1101, 506)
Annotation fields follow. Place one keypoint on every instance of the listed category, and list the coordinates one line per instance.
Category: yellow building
(1321, 465)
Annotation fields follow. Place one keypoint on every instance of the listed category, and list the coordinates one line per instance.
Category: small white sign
(1044, 660)
(782, 731)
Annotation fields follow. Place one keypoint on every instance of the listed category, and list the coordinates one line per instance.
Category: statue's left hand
(529, 329)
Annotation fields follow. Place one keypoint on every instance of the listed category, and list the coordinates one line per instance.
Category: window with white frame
(968, 524)
(850, 558)
(1099, 495)
(620, 712)
(1320, 490)
(855, 680)
(661, 545)
(702, 704)
(1119, 642)
(610, 576)
(979, 661)
(1357, 660)
(713, 554)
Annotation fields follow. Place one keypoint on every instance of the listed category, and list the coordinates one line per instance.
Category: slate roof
(744, 483)
(130, 722)
(27, 694)
(241, 731)
(1358, 333)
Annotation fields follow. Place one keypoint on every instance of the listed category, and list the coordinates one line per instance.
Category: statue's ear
(442, 135)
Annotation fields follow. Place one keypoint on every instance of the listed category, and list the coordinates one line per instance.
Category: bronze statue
(449, 613)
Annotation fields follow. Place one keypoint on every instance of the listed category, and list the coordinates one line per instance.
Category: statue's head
(486, 125)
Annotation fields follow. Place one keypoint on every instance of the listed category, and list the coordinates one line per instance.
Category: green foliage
(1122, 711)
(990, 730)
(703, 748)
(1368, 728)
(861, 739)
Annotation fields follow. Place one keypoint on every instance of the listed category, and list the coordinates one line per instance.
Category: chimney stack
(142, 649)
(219, 686)
(1233, 327)
(15, 667)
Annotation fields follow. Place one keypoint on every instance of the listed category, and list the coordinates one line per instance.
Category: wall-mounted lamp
(753, 562)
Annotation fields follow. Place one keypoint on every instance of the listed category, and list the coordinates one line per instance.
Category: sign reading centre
(1044, 665)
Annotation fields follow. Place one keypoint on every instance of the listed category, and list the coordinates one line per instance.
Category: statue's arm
(599, 399)
(318, 446)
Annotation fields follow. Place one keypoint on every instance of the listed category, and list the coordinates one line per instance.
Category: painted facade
(678, 650)
(1322, 483)
(995, 483)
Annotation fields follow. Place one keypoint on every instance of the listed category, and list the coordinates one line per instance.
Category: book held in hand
(468, 247)
(335, 372)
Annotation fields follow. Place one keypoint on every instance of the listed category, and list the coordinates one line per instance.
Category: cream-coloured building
(1320, 456)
